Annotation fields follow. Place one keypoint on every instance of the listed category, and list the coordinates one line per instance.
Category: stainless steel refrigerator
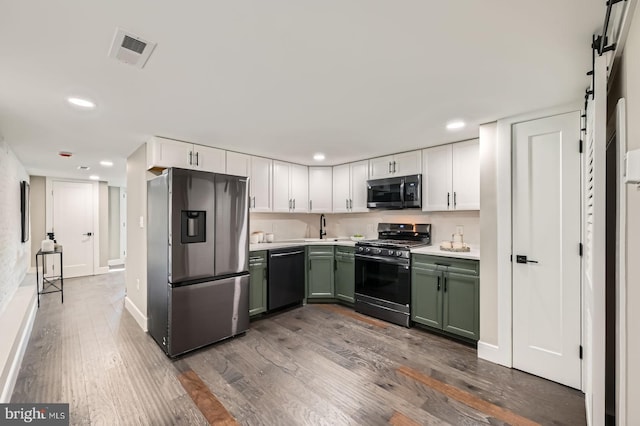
(197, 258)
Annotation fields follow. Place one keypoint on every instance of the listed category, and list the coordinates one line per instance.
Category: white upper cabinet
(451, 177)
(290, 187)
(403, 164)
(350, 187)
(258, 170)
(260, 184)
(163, 153)
(238, 164)
(320, 189)
(466, 175)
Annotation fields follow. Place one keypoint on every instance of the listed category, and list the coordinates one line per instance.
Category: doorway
(72, 217)
(546, 264)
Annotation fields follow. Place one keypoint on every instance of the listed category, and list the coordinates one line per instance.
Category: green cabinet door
(426, 295)
(345, 271)
(320, 272)
(257, 282)
(461, 305)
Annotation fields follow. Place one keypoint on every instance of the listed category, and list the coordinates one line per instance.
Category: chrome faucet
(323, 226)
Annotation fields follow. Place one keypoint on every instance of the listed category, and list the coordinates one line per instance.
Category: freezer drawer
(204, 313)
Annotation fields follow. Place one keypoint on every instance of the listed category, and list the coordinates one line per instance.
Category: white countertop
(301, 242)
(434, 250)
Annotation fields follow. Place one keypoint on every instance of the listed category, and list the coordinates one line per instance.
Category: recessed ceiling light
(106, 163)
(84, 168)
(454, 125)
(94, 177)
(318, 156)
(82, 103)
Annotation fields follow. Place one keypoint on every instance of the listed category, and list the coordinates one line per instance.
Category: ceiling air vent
(130, 49)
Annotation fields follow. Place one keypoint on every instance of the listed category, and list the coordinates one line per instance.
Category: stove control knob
(376, 251)
(398, 253)
(368, 249)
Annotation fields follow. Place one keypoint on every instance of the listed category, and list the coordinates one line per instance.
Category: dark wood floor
(318, 364)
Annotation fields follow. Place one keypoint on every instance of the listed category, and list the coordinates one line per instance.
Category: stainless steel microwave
(400, 192)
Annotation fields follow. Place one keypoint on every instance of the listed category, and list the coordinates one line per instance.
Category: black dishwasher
(286, 277)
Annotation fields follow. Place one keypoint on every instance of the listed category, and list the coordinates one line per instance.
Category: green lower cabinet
(320, 282)
(445, 295)
(426, 297)
(461, 303)
(258, 282)
(345, 271)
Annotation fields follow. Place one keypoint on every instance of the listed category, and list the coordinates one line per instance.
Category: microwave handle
(402, 192)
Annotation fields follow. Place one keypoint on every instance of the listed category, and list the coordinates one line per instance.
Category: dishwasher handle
(290, 253)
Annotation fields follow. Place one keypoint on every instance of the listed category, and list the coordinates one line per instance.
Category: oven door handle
(381, 259)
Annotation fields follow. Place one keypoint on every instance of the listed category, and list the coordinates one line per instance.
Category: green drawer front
(460, 266)
(345, 250)
(257, 258)
(320, 250)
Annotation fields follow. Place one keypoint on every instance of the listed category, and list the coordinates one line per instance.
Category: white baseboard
(140, 318)
(114, 262)
(20, 344)
(492, 353)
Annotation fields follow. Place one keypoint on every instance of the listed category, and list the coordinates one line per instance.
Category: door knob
(523, 259)
(88, 234)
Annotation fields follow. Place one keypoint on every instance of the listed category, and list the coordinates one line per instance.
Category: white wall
(14, 255)
(631, 91)
(114, 222)
(136, 271)
(488, 232)
(38, 215)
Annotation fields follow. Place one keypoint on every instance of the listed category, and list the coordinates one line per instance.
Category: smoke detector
(130, 48)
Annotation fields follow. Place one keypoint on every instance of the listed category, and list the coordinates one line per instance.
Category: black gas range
(383, 275)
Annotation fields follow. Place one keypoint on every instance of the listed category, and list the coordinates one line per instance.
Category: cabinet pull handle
(350, 204)
(346, 203)
(389, 166)
(254, 202)
(448, 195)
(455, 199)
(191, 158)
(197, 158)
(394, 166)
(438, 284)
(445, 284)
(294, 204)
(310, 205)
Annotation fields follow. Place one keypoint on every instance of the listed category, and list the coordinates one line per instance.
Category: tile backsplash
(287, 226)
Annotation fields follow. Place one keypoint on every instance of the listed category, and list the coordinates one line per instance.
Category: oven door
(385, 193)
(383, 278)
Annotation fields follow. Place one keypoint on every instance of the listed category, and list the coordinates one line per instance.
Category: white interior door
(546, 229)
(73, 226)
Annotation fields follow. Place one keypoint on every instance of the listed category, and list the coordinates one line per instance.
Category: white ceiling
(281, 78)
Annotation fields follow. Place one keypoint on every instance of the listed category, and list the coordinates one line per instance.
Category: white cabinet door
(260, 184)
(299, 188)
(407, 163)
(466, 175)
(320, 189)
(238, 164)
(381, 167)
(163, 153)
(359, 176)
(209, 159)
(436, 178)
(341, 188)
(281, 198)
